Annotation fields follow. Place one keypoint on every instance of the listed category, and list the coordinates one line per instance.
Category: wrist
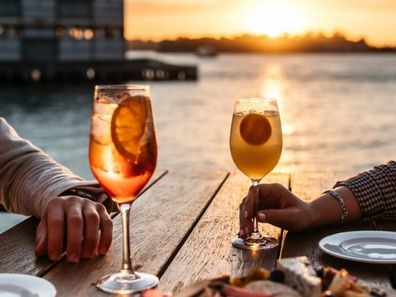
(313, 215)
(83, 193)
(94, 194)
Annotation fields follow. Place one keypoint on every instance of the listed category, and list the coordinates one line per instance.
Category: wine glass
(256, 146)
(123, 156)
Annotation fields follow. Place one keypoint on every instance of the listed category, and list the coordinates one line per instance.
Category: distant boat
(206, 51)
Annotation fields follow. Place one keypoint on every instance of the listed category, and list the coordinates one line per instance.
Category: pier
(96, 71)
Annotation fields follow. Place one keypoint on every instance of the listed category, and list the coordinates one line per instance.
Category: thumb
(41, 238)
(279, 217)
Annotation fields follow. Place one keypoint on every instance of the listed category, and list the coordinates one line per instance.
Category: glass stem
(255, 183)
(126, 255)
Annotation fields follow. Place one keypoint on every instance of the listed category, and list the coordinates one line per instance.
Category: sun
(274, 19)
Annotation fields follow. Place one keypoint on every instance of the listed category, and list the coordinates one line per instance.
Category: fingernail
(261, 216)
(246, 214)
(102, 250)
(74, 258)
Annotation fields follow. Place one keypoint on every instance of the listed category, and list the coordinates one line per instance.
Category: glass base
(126, 283)
(255, 242)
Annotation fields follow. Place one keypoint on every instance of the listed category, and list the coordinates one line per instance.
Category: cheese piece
(300, 275)
(272, 289)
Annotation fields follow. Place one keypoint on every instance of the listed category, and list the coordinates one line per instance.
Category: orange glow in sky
(274, 19)
(160, 19)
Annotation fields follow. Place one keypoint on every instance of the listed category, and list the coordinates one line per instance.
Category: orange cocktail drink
(123, 148)
(123, 156)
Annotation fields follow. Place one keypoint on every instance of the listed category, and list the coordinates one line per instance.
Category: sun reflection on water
(273, 86)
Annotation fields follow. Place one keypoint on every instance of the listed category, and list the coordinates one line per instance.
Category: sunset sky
(158, 19)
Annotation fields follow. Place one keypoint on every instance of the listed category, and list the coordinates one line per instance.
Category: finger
(41, 238)
(270, 195)
(106, 228)
(91, 230)
(75, 226)
(55, 227)
(245, 223)
(249, 202)
(283, 218)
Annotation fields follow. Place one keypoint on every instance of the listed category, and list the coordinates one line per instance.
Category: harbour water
(338, 112)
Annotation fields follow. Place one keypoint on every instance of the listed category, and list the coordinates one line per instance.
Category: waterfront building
(72, 40)
(61, 30)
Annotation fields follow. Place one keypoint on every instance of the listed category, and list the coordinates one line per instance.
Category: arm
(375, 191)
(28, 177)
(31, 183)
(326, 210)
(280, 207)
(369, 195)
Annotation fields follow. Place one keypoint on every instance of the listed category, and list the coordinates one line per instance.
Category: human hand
(85, 224)
(276, 206)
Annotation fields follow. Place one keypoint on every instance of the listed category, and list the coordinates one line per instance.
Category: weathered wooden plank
(17, 246)
(309, 186)
(17, 250)
(161, 219)
(208, 252)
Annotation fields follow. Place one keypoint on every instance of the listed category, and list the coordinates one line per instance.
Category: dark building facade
(61, 30)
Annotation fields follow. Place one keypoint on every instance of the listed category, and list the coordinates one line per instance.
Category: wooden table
(181, 230)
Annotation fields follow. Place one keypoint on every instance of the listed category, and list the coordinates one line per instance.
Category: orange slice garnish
(128, 125)
(255, 129)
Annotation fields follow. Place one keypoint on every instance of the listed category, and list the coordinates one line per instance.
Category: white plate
(362, 246)
(22, 285)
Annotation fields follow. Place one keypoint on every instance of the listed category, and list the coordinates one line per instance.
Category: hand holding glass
(256, 146)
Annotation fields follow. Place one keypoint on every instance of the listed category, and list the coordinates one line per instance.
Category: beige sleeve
(29, 178)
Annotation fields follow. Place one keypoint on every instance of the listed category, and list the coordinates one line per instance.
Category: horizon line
(339, 33)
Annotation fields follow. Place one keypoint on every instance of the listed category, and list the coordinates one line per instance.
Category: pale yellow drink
(256, 142)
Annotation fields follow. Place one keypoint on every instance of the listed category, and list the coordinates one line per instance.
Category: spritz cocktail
(123, 156)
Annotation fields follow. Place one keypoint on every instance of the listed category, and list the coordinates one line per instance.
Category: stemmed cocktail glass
(256, 146)
(123, 156)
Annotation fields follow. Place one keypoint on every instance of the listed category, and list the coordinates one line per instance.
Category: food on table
(272, 288)
(253, 275)
(293, 277)
(300, 275)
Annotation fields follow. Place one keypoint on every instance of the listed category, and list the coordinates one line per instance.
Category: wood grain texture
(161, 219)
(17, 246)
(17, 250)
(308, 186)
(208, 252)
